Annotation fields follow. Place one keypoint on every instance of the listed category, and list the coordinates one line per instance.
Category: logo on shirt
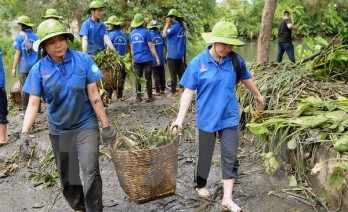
(203, 68)
(46, 74)
(95, 69)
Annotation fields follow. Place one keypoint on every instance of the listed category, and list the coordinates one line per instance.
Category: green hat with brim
(113, 20)
(48, 29)
(138, 20)
(25, 20)
(174, 12)
(223, 32)
(95, 5)
(52, 13)
(153, 24)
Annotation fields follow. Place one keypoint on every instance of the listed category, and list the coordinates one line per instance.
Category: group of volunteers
(67, 78)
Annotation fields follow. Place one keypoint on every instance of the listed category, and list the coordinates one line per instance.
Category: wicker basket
(147, 174)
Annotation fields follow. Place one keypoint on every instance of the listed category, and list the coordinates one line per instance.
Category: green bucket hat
(25, 20)
(96, 5)
(138, 20)
(153, 24)
(52, 13)
(48, 29)
(174, 12)
(223, 32)
(113, 20)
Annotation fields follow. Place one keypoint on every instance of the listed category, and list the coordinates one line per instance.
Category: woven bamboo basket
(147, 174)
(15, 93)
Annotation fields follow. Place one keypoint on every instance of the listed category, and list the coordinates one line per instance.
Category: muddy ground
(18, 193)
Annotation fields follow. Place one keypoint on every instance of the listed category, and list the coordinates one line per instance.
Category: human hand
(27, 146)
(176, 127)
(13, 72)
(108, 134)
(158, 61)
(260, 102)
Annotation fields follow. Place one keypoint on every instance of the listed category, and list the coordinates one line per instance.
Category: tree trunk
(263, 43)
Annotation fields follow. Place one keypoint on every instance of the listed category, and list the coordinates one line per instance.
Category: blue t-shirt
(64, 85)
(176, 43)
(139, 38)
(158, 41)
(2, 71)
(119, 40)
(216, 103)
(95, 32)
(27, 60)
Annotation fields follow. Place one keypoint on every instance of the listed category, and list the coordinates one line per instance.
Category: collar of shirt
(210, 58)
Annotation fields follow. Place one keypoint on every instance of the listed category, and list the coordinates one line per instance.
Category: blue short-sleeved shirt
(95, 32)
(216, 103)
(64, 85)
(176, 43)
(159, 42)
(119, 40)
(2, 71)
(27, 60)
(139, 38)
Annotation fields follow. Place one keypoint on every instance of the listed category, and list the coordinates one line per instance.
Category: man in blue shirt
(3, 105)
(160, 46)
(67, 78)
(212, 74)
(93, 31)
(119, 40)
(25, 57)
(141, 49)
(175, 31)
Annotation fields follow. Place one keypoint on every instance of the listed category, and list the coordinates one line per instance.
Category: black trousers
(147, 68)
(176, 68)
(160, 78)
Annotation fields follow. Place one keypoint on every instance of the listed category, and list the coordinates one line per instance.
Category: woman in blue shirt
(25, 57)
(212, 74)
(67, 78)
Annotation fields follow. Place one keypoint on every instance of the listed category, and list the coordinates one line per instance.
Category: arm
(249, 84)
(185, 102)
(109, 44)
(17, 56)
(154, 52)
(84, 43)
(97, 104)
(164, 33)
(31, 112)
(132, 53)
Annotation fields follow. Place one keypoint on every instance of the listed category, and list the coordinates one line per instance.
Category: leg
(289, 48)
(206, 144)
(280, 52)
(121, 84)
(155, 71)
(148, 77)
(65, 154)
(88, 154)
(139, 69)
(24, 96)
(229, 147)
(3, 116)
(162, 78)
(180, 68)
(173, 75)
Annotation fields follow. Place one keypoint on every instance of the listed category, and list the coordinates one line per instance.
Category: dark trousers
(120, 84)
(288, 48)
(3, 106)
(72, 150)
(147, 68)
(229, 143)
(176, 68)
(24, 96)
(160, 78)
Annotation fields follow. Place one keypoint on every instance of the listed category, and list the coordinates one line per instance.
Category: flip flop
(231, 208)
(203, 193)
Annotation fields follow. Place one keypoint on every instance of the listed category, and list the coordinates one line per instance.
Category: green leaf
(292, 144)
(341, 144)
(257, 129)
(336, 179)
(39, 204)
(300, 108)
(292, 181)
(142, 80)
(272, 192)
(309, 121)
(342, 165)
(317, 168)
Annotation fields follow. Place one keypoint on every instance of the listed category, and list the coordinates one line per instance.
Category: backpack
(28, 45)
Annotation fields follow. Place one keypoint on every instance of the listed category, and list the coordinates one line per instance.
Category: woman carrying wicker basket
(68, 78)
(214, 74)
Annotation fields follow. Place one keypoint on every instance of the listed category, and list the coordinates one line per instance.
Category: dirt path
(251, 191)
